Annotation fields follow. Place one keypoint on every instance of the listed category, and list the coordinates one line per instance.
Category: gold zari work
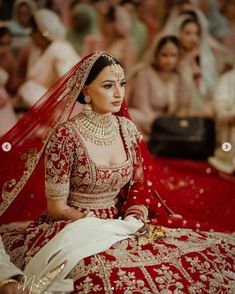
(101, 129)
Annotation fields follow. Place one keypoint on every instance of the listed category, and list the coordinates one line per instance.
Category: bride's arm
(58, 165)
(138, 194)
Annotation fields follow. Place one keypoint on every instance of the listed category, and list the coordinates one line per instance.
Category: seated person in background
(7, 60)
(114, 37)
(197, 64)
(224, 105)
(20, 25)
(156, 88)
(83, 23)
(46, 59)
(7, 87)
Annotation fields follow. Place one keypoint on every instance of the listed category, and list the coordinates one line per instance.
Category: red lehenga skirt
(185, 261)
(204, 197)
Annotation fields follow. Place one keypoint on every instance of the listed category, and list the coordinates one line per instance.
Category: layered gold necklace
(101, 129)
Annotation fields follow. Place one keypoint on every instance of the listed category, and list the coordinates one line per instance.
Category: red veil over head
(22, 168)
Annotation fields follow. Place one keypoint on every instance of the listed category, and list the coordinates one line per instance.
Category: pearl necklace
(101, 129)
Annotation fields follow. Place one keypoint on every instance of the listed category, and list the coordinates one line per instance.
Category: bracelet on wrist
(7, 281)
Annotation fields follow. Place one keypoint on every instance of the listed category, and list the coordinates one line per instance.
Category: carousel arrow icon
(226, 147)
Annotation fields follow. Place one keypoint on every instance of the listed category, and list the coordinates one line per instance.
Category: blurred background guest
(46, 58)
(138, 30)
(19, 24)
(197, 63)
(157, 88)
(7, 89)
(229, 10)
(224, 103)
(83, 22)
(114, 38)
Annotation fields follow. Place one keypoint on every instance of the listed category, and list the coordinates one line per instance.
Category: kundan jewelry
(87, 99)
(101, 129)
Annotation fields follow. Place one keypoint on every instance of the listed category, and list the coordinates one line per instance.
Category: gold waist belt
(93, 201)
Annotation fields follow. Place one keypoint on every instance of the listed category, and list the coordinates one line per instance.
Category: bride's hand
(143, 230)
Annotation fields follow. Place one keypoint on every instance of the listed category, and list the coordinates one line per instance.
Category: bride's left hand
(143, 230)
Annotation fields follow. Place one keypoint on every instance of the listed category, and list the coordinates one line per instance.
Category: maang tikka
(116, 68)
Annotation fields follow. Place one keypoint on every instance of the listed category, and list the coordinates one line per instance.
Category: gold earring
(87, 99)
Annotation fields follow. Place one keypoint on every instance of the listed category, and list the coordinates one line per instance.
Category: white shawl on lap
(80, 239)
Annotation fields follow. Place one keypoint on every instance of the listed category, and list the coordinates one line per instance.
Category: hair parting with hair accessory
(22, 179)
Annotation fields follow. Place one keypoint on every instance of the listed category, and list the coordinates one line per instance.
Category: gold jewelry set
(101, 129)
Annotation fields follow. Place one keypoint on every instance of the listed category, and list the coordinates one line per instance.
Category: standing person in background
(156, 88)
(20, 24)
(46, 58)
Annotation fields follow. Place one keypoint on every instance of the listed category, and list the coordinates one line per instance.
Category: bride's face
(107, 91)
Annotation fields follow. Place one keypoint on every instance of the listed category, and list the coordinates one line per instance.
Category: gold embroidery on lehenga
(172, 265)
(96, 201)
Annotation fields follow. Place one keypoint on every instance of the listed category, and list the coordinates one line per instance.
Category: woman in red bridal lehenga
(88, 187)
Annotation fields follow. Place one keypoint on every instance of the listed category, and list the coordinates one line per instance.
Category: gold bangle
(7, 281)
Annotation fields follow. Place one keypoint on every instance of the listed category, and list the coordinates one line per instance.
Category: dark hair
(165, 40)
(133, 2)
(33, 24)
(4, 31)
(191, 19)
(103, 61)
(110, 14)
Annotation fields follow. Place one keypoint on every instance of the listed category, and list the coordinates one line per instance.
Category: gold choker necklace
(101, 129)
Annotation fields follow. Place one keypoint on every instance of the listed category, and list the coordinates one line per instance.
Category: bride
(101, 209)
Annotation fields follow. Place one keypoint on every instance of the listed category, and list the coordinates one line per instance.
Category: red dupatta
(22, 168)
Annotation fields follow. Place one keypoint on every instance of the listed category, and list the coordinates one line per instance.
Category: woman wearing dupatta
(20, 25)
(156, 88)
(96, 170)
(46, 58)
(197, 63)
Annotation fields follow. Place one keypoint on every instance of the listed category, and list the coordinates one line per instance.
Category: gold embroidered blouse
(72, 174)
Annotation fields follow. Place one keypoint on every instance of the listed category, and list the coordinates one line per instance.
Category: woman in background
(20, 24)
(197, 65)
(46, 58)
(156, 88)
(7, 81)
(115, 25)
